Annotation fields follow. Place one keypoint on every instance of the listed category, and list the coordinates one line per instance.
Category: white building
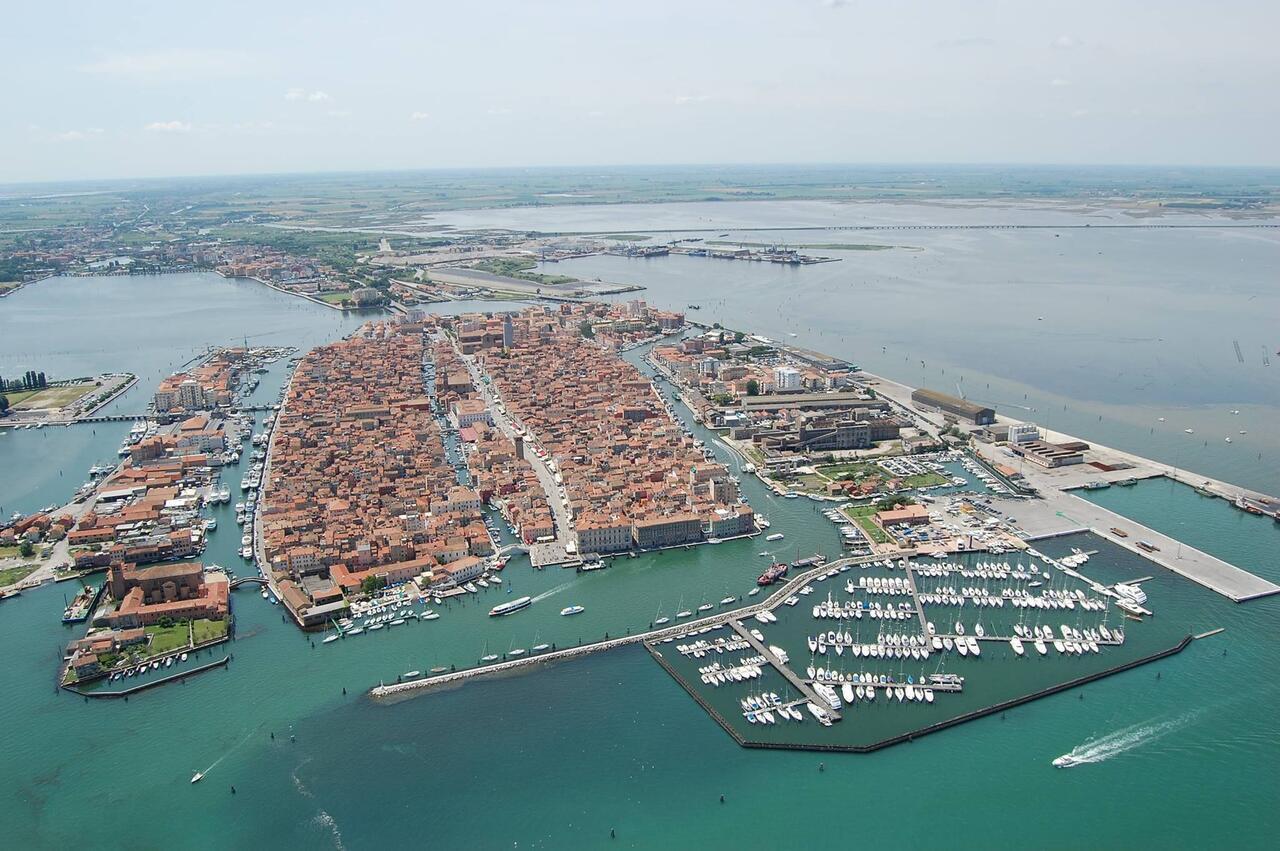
(1023, 433)
(786, 378)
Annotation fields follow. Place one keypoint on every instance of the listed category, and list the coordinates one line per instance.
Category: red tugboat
(776, 571)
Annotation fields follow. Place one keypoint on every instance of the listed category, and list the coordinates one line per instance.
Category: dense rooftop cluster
(624, 460)
(358, 484)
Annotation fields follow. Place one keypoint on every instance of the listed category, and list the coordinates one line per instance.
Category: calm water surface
(559, 758)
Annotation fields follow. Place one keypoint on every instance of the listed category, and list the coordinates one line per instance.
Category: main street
(548, 552)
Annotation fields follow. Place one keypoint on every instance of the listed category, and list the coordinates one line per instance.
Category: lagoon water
(557, 758)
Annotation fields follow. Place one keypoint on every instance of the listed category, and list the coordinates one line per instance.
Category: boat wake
(551, 592)
(1125, 739)
(228, 752)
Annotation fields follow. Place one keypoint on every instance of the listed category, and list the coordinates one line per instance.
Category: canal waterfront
(558, 758)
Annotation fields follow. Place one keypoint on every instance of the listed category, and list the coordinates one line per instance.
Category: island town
(404, 466)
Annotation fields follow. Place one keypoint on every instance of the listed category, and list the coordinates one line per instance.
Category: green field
(335, 298)
(49, 397)
(204, 630)
(12, 575)
(859, 470)
(518, 267)
(167, 639)
(861, 514)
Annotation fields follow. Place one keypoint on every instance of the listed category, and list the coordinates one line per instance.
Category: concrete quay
(684, 627)
(1059, 512)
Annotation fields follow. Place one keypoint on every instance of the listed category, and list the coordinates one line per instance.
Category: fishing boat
(572, 610)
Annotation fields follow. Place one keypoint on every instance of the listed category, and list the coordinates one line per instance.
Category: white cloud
(173, 62)
(314, 96)
(1066, 42)
(1079, 113)
(339, 113)
(1058, 82)
(78, 135)
(419, 116)
(683, 99)
(169, 126)
(835, 4)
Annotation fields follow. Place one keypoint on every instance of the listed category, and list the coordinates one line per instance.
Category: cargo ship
(507, 608)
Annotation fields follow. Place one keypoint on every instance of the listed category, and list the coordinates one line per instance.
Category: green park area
(13, 575)
(862, 514)
(205, 630)
(860, 471)
(518, 267)
(58, 396)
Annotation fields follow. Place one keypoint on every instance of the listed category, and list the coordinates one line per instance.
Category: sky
(139, 89)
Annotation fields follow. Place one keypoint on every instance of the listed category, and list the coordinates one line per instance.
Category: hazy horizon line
(871, 164)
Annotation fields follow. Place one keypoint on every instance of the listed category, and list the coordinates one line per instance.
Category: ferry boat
(594, 564)
(776, 536)
(571, 610)
(507, 608)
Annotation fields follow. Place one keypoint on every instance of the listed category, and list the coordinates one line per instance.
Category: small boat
(492, 657)
(410, 675)
(572, 610)
(197, 777)
(776, 536)
(1066, 761)
(330, 639)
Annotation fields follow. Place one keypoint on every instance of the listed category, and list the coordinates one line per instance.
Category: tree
(41, 381)
(587, 331)
(753, 387)
(370, 584)
(4, 404)
(738, 336)
(26, 549)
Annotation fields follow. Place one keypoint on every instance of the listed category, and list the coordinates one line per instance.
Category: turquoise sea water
(558, 758)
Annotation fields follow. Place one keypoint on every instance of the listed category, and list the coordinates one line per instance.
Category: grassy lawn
(858, 468)
(335, 298)
(627, 237)
(810, 483)
(861, 514)
(166, 639)
(518, 267)
(925, 480)
(50, 397)
(208, 630)
(11, 575)
(8, 552)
